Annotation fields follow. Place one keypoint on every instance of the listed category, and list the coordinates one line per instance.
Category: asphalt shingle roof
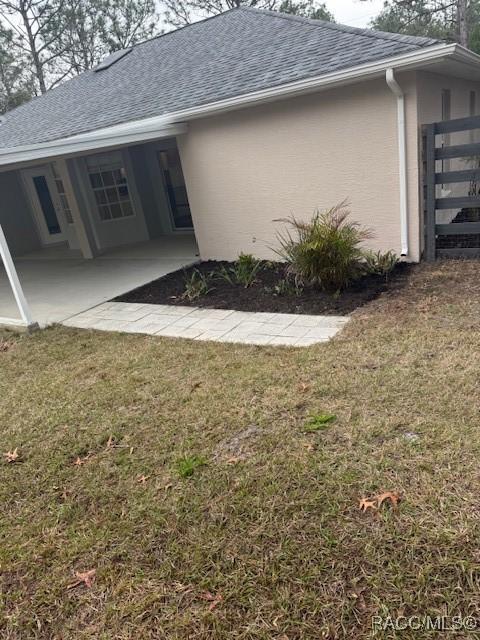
(237, 52)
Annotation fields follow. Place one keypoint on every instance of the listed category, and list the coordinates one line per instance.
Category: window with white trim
(62, 196)
(108, 180)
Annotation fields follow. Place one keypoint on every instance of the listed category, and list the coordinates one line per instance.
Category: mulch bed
(259, 296)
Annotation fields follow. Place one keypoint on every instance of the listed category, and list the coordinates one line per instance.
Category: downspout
(402, 158)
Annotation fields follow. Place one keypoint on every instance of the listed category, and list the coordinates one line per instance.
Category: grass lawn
(181, 471)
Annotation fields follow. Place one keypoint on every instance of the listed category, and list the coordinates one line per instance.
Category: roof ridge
(383, 35)
(314, 22)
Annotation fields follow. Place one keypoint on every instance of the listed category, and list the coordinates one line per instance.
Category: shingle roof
(234, 53)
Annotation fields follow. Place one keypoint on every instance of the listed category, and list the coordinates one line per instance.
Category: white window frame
(129, 184)
(61, 193)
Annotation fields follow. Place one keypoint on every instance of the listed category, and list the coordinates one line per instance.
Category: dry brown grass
(271, 523)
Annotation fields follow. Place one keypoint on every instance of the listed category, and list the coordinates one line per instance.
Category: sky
(356, 13)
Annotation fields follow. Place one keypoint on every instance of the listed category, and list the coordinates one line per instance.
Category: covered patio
(90, 218)
(59, 283)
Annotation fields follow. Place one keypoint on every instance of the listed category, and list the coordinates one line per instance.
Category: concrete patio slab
(58, 283)
(218, 325)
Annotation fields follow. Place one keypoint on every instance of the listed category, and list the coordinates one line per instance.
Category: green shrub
(325, 251)
(196, 285)
(285, 287)
(187, 465)
(381, 264)
(242, 272)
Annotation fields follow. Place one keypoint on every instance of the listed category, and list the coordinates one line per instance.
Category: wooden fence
(432, 154)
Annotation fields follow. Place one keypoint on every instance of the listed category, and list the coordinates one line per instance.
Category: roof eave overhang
(174, 124)
(101, 139)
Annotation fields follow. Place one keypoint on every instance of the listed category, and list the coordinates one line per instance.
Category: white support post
(27, 320)
(82, 235)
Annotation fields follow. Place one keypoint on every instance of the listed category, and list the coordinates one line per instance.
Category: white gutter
(402, 158)
(157, 126)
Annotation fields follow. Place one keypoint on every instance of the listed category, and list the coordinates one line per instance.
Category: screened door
(170, 165)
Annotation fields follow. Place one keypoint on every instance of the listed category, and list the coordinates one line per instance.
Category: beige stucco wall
(430, 86)
(246, 168)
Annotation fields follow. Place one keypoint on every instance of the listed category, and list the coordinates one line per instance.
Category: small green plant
(381, 264)
(319, 422)
(285, 287)
(243, 271)
(196, 285)
(326, 251)
(187, 465)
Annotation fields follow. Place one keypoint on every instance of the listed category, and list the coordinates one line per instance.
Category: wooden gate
(461, 236)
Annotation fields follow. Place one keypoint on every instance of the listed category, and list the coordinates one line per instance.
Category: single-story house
(196, 141)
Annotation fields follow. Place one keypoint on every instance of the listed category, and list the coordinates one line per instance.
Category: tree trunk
(37, 63)
(462, 22)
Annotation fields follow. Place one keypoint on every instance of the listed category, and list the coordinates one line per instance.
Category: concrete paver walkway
(210, 324)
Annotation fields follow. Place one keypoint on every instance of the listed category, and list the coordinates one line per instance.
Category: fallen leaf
(179, 587)
(393, 497)
(234, 460)
(87, 578)
(12, 456)
(214, 600)
(366, 504)
(376, 502)
(217, 600)
(361, 605)
(5, 345)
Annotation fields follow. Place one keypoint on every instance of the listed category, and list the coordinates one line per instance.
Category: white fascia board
(465, 55)
(336, 78)
(174, 123)
(92, 141)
